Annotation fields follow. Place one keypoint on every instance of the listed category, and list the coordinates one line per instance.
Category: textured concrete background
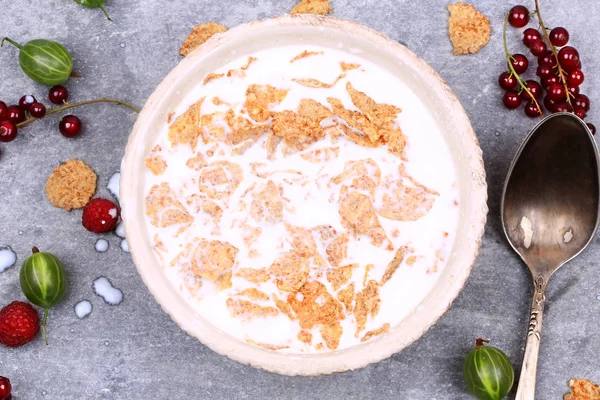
(134, 350)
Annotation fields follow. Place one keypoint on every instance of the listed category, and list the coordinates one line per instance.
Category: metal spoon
(550, 213)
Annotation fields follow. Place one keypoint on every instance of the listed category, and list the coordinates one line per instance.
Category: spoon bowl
(549, 211)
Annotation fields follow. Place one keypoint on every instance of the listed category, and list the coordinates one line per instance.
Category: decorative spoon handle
(526, 390)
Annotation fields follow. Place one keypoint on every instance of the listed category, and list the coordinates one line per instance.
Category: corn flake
(200, 34)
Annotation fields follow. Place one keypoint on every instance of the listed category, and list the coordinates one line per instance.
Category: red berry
(5, 388)
(559, 36)
(582, 101)
(580, 112)
(575, 77)
(100, 216)
(538, 48)
(549, 104)
(534, 87)
(574, 90)
(530, 35)
(518, 16)
(70, 126)
(592, 128)
(58, 94)
(37, 110)
(3, 111)
(556, 92)
(543, 71)
(25, 102)
(568, 57)
(19, 324)
(532, 110)
(15, 114)
(507, 81)
(563, 107)
(8, 131)
(519, 62)
(511, 100)
(550, 80)
(547, 59)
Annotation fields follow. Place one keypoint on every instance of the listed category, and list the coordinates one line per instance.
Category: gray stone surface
(134, 350)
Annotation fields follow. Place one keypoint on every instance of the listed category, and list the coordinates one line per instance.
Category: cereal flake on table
(469, 30)
(200, 34)
(583, 389)
(319, 7)
(71, 185)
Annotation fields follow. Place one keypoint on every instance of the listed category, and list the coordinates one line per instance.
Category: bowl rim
(286, 363)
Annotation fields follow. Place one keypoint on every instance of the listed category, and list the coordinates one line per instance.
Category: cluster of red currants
(12, 116)
(558, 70)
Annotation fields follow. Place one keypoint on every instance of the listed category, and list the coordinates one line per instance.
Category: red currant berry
(543, 71)
(3, 111)
(534, 87)
(530, 35)
(70, 126)
(507, 81)
(511, 100)
(532, 110)
(8, 131)
(592, 128)
(568, 57)
(549, 104)
(519, 62)
(559, 36)
(547, 59)
(574, 90)
(550, 80)
(15, 114)
(580, 112)
(563, 107)
(575, 77)
(538, 48)
(582, 101)
(58, 94)
(5, 387)
(37, 110)
(25, 102)
(556, 92)
(518, 16)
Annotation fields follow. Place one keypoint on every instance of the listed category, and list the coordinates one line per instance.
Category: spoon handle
(526, 390)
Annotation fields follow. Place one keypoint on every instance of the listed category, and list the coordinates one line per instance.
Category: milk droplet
(107, 343)
(122, 45)
(20, 233)
(113, 185)
(83, 309)
(598, 297)
(101, 245)
(125, 246)
(8, 258)
(120, 230)
(113, 212)
(104, 288)
(72, 330)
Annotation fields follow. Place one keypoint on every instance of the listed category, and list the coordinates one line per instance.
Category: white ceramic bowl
(325, 32)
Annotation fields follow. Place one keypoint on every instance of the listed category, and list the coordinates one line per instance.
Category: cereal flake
(71, 185)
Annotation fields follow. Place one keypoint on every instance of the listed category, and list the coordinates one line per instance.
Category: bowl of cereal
(293, 193)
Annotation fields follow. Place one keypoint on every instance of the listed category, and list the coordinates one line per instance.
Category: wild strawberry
(100, 216)
(19, 324)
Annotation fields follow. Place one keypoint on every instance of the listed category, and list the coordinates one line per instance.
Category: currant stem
(9, 40)
(83, 103)
(561, 72)
(44, 326)
(512, 70)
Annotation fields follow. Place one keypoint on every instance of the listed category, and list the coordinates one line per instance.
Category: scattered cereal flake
(284, 307)
(469, 30)
(393, 265)
(185, 129)
(254, 294)
(290, 271)
(267, 205)
(355, 119)
(322, 155)
(302, 240)
(248, 63)
(223, 282)
(297, 131)
(200, 34)
(246, 309)
(360, 175)
(213, 209)
(220, 179)
(583, 389)
(337, 250)
(346, 297)
(271, 145)
(196, 162)
(71, 185)
(211, 77)
(411, 260)
(319, 347)
(317, 84)
(273, 347)
(376, 332)
(326, 232)
(331, 335)
(164, 209)
(314, 110)
(259, 98)
(402, 202)
(243, 129)
(305, 54)
(379, 114)
(359, 216)
(206, 259)
(327, 311)
(348, 66)
(368, 269)
(217, 101)
(156, 164)
(339, 276)
(253, 275)
(367, 303)
(319, 7)
(305, 337)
